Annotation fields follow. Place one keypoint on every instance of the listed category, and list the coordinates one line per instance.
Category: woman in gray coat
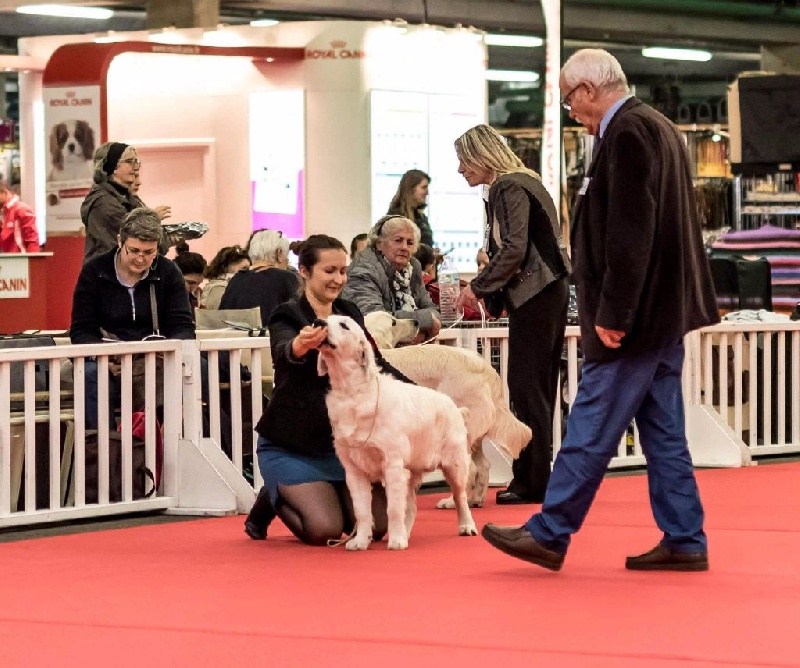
(385, 276)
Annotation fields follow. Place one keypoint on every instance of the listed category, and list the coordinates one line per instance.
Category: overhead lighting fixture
(676, 54)
(525, 76)
(528, 41)
(67, 11)
(264, 23)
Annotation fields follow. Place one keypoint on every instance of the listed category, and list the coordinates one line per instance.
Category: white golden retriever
(388, 331)
(390, 431)
(471, 382)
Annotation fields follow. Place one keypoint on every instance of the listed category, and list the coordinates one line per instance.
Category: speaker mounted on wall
(764, 123)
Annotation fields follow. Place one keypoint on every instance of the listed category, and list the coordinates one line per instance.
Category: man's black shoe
(661, 558)
(518, 542)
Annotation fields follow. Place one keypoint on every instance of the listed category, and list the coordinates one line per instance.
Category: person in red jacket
(18, 233)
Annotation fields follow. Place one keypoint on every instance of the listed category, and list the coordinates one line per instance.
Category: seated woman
(219, 272)
(267, 282)
(303, 479)
(386, 277)
(192, 266)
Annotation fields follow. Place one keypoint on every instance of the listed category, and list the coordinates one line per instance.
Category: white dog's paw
(398, 543)
(357, 544)
(446, 504)
(467, 530)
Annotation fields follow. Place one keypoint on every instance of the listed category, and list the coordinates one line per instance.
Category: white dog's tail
(506, 430)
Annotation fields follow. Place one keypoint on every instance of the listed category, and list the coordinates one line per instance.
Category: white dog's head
(388, 331)
(346, 350)
(71, 142)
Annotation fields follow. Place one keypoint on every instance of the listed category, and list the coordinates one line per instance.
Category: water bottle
(449, 290)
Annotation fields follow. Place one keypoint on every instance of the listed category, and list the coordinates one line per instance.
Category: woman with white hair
(268, 282)
(386, 276)
(528, 275)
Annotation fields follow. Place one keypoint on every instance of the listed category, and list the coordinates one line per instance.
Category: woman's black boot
(260, 516)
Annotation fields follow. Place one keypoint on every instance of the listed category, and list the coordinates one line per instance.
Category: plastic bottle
(449, 290)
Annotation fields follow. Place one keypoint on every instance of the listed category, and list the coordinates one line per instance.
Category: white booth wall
(189, 116)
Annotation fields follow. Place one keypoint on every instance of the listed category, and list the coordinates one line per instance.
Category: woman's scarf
(403, 299)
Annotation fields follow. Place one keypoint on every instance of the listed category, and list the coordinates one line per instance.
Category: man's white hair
(597, 66)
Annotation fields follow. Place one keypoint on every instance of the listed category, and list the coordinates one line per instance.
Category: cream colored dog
(472, 383)
(388, 430)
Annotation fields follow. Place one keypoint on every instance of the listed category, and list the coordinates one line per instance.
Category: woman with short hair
(386, 276)
(268, 282)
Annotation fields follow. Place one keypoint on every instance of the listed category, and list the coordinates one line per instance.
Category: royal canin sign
(338, 51)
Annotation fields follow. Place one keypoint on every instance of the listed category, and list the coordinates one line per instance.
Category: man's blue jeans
(646, 387)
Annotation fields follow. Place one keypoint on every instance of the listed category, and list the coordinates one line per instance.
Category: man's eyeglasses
(145, 255)
(133, 162)
(566, 101)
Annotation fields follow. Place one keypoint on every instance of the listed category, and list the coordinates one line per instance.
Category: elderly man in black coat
(643, 282)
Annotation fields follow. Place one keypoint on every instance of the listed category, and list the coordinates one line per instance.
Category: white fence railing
(747, 376)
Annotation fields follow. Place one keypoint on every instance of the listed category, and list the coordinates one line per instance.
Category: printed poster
(72, 124)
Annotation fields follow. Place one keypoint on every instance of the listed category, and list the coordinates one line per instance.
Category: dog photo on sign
(71, 147)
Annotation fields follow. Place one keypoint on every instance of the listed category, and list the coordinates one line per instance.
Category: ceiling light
(512, 75)
(67, 11)
(676, 54)
(514, 40)
(264, 23)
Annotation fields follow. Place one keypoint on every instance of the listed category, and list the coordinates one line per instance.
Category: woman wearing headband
(385, 276)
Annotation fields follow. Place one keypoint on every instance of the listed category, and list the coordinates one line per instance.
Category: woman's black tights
(317, 512)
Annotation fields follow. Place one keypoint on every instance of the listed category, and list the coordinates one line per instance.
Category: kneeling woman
(303, 478)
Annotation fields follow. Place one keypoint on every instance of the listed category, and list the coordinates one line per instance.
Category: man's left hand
(611, 338)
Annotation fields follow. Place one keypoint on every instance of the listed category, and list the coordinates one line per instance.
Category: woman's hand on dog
(309, 338)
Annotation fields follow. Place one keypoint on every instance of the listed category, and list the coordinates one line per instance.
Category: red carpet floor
(201, 594)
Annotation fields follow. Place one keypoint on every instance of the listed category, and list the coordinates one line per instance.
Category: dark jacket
(265, 288)
(102, 213)
(100, 300)
(637, 249)
(421, 220)
(525, 246)
(296, 418)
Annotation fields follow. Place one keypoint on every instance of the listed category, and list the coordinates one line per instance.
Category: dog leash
(374, 416)
(458, 320)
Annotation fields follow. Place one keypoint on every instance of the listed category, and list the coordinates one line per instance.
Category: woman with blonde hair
(528, 276)
(410, 200)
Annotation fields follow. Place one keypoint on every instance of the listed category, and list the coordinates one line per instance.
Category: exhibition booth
(302, 127)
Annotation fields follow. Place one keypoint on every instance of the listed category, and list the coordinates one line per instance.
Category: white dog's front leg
(396, 482)
(411, 502)
(361, 494)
